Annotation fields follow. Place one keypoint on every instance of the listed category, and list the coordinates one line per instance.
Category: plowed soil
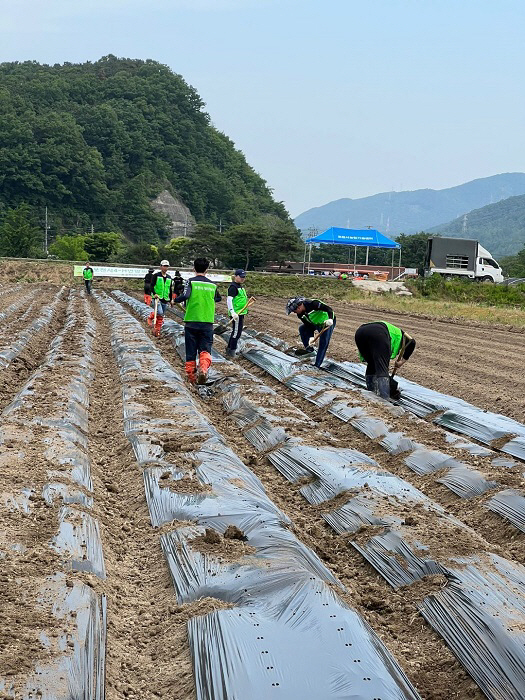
(480, 364)
(147, 648)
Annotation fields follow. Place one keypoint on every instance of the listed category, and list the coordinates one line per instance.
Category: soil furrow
(17, 372)
(31, 307)
(393, 614)
(147, 649)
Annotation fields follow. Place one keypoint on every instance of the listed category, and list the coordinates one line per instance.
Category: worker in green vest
(378, 343)
(87, 274)
(316, 317)
(199, 295)
(236, 301)
(162, 292)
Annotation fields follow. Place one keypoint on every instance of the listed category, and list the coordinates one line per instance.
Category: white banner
(139, 272)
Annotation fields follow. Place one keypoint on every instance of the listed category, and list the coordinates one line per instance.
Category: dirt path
(481, 365)
(147, 650)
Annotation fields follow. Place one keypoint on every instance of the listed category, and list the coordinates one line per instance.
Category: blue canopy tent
(369, 238)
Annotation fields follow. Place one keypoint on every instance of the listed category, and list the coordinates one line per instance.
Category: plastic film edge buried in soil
(79, 669)
(387, 550)
(304, 625)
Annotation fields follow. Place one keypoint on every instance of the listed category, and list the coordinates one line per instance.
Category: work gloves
(311, 341)
(235, 317)
(329, 322)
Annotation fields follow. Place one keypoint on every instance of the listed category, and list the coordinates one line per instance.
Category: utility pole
(220, 226)
(92, 229)
(45, 234)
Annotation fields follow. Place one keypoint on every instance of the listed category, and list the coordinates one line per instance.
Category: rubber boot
(158, 326)
(191, 368)
(383, 387)
(150, 318)
(370, 383)
(204, 366)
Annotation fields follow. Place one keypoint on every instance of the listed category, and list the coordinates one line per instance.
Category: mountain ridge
(499, 227)
(411, 211)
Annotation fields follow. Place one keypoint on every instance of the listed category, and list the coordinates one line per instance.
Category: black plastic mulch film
(399, 552)
(288, 634)
(78, 672)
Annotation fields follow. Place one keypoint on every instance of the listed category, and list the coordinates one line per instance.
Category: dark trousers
(197, 340)
(373, 342)
(306, 332)
(238, 325)
(88, 285)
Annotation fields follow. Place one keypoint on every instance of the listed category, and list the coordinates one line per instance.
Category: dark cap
(240, 273)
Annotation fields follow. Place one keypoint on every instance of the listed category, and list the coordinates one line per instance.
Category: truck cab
(487, 269)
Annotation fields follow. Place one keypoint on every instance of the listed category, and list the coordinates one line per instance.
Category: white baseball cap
(165, 262)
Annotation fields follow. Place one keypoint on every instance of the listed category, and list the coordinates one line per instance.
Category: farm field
(279, 533)
(476, 362)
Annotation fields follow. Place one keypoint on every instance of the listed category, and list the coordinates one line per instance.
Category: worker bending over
(162, 291)
(378, 343)
(236, 300)
(147, 286)
(200, 295)
(316, 317)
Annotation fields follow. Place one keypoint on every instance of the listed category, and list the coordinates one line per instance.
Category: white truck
(461, 257)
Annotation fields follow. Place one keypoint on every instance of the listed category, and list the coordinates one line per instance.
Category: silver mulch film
(466, 482)
(510, 504)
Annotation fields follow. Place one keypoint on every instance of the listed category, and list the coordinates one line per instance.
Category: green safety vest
(317, 318)
(87, 274)
(163, 287)
(396, 338)
(201, 304)
(240, 301)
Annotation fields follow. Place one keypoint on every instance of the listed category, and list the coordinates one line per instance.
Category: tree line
(97, 142)
(243, 245)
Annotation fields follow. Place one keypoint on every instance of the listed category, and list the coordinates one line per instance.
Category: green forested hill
(499, 227)
(95, 142)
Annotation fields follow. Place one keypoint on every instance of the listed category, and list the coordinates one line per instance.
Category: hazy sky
(326, 98)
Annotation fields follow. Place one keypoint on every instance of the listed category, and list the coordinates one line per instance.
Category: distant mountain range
(393, 213)
(498, 227)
